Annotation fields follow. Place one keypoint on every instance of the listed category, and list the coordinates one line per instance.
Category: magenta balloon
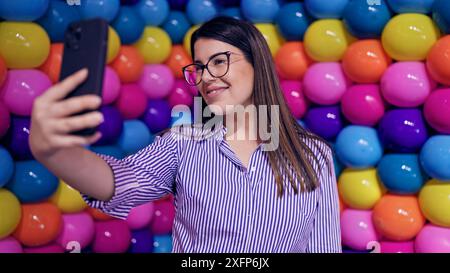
(181, 94)
(10, 245)
(325, 83)
(111, 86)
(112, 236)
(52, 248)
(357, 229)
(362, 104)
(437, 110)
(406, 84)
(21, 87)
(141, 216)
(433, 239)
(132, 101)
(293, 94)
(397, 247)
(163, 217)
(157, 80)
(5, 119)
(78, 227)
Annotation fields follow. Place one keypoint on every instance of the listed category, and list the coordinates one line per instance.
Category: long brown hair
(293, 154)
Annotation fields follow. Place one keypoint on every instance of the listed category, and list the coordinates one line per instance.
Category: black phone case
(85, 46)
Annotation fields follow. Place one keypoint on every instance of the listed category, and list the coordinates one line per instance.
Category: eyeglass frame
(203, 66)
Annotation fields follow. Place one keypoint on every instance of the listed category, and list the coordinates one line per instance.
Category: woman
(233, 192)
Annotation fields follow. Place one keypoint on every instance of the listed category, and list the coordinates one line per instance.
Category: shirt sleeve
(141, 177)
(326, 233)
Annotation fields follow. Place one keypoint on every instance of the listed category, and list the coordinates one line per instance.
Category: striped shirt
(222, 206)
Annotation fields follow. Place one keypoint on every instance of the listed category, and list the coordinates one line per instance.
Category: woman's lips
(216, 92)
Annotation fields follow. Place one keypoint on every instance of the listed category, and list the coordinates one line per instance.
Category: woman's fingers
(62, 89)
(66, 141)
(74, 105)
(76, 123)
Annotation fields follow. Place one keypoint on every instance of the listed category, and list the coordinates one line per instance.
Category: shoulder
(192, 132)
(322, 151)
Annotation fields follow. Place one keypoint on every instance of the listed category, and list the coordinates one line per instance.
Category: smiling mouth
(216, 91)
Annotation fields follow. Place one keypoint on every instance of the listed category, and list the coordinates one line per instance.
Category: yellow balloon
(155, 45)
(23, 45)
(187, 38)
(272, 37)
(360, 189)
(113, 45)
(67, 199)
(10, 213)
(409, 37)
(327, 40)
(434, 200)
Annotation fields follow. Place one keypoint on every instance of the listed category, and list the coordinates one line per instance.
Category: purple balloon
(17, 138)
(324, 121)
(157, 116)
(112, 127)
(141, 241)
(177, 4)
(403, 130)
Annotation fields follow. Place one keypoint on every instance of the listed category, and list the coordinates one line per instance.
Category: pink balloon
(437, 110)
(362, 104)
(141, 216)
(21, 87)
(406, 84)
(51, 248)
(77, 227)
(397, 247)
(10, 245)
(5, 119)
(293, 94)
(111, 236)
(325, 83)
(163, 217)
(132, 101)
(157, 81)
(180, 94)
(357, 229)
(433, 239)
(111, 86)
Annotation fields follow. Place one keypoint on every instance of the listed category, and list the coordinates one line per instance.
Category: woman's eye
(219, 61)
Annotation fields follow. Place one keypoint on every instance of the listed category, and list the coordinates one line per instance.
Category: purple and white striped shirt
(221, 206)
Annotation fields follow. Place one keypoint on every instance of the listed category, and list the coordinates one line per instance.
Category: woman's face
(235, 87)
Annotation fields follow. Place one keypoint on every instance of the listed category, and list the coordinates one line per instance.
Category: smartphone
(85, 46)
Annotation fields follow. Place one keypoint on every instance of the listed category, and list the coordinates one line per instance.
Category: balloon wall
(378, 89)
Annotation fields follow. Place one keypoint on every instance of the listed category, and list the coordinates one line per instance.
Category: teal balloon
(162, 244)
(57, 18)
(358, 147)
(107, 10)
(135, 136)
(154, 12)
(401, 173)
(32, 182)
(435, 157)
(6, 166)
(176, 25)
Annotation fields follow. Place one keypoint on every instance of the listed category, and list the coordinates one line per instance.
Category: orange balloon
(177, 59)
(3, 71)
(365, 61)
(52, 66)
(438, 60)
(292, 61)
(98, 214)
(341, 205)
(128, 64)
(40, 224)
(398, 217)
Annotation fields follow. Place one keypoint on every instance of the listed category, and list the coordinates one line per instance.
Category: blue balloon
(176, 25)
(301, 123)
(260, 11)
(32, 182)
(411, 6)
(141, 241)
(57, 19)
(441, 14)
(99, 8)
(401, 173)
(128, 25)
(323, 9)
(7, 166)
(154, 12)
(22, 10)
(233, 12)
(435, 157)
(358, 146)
(135, 136)
(364, 20)
(292, 21)
(162, 244)
(200, 11)
(182, 117)
(110, 150)
(16, 140)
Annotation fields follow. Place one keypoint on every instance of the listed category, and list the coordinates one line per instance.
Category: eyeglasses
(217, 66)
